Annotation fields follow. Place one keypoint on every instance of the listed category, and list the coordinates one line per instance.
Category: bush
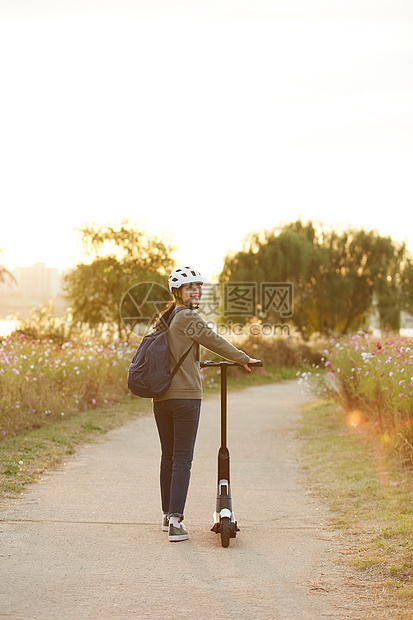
(373, 378)
(280, 352)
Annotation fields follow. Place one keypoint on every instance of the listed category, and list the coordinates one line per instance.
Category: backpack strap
(182, 358)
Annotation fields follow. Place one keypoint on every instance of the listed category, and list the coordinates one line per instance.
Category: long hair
(161, 322)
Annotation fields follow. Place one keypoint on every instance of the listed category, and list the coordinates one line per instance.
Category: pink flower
(401, 382)
(16, 372)
(400, 395)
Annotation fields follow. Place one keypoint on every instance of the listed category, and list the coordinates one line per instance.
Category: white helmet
(184, 275)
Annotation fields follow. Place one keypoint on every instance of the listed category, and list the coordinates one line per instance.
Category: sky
(201, 121)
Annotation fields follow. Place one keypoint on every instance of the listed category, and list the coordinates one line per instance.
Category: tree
(361, 264)
(117, 258)
(334, 275)
(286, 255)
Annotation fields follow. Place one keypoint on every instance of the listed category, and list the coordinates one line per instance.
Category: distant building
(38, 283)
(406, 324)
(373, 321)
(34, 286)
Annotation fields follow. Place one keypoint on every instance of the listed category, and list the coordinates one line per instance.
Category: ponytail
(161, 321)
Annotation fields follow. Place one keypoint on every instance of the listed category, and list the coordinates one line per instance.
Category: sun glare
(355, 418)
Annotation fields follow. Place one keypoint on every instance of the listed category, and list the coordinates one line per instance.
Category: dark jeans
(177, 421)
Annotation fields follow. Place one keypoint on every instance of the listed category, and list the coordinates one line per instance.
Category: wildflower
(401, 395)
(16, 372)
(401, 382)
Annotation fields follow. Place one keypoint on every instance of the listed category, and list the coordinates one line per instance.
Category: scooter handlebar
(258, 364)
(211, 363)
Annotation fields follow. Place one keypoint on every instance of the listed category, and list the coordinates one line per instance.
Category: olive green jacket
(189, 328)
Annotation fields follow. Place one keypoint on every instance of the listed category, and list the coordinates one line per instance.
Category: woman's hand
(250, 361)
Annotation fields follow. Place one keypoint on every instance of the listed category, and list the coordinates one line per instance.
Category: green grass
(370, 496)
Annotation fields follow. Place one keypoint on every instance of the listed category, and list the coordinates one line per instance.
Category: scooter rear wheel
(225, 530)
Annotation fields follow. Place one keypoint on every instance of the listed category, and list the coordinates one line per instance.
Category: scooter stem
(224, 407)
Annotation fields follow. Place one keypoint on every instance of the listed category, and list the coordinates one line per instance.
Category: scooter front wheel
(225, 530)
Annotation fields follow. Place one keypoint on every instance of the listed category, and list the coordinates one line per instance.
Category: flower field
(373, 381)
(45, 374)
(40, 379)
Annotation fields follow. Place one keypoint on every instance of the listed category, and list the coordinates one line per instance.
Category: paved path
(86, 542)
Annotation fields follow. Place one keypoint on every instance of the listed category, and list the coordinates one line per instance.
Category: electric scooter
(224, 518)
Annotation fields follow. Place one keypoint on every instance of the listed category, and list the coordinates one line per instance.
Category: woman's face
(191, 294)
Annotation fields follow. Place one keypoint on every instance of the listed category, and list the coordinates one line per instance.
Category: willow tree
(334, 275)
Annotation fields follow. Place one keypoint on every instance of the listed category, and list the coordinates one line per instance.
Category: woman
(177, 411)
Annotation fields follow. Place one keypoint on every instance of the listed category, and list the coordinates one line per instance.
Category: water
(7, 326)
